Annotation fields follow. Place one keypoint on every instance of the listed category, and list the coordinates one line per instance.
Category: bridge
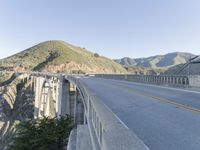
(122, 112)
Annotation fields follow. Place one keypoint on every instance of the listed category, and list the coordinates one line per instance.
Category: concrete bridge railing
(106, 130)
(171, 80)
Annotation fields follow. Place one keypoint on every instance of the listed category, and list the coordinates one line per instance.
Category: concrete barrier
(194, 80)
(169, 80)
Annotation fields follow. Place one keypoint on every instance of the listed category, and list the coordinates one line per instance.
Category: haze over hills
(159, 61)
(59, 56)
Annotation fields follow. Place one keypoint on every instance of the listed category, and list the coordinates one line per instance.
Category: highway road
(164, 118)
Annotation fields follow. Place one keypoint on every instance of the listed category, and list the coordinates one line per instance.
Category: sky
(113, 28)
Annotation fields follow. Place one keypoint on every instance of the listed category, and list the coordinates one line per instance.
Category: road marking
(116, 116)
(171, 102)
(168, 101)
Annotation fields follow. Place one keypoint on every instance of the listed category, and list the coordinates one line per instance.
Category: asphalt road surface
(164, 118)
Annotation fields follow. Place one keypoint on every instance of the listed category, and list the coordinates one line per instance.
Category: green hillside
(59, 56)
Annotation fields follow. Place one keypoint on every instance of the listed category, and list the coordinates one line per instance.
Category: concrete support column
(60, 95)
(37, 97)
(54, 95)
(57, 85)
(32, 83)
(79, 111)
(65, 108)
(38, 88)
(72, 102)
(35, 83)
(45, 105)
(63, 105)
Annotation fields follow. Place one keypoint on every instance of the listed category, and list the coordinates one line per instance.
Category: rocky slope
(59, 56)
(16, 104)
(144, 70)
(159, 61)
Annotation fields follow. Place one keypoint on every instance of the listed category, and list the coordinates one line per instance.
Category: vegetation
(78, 72)
(51, 57)
(96, 55)
(59, 54)
(4, 77)
(42, 134)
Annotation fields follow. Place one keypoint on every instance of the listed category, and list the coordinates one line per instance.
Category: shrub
(78, 72)
(42, 134)
(96, 55)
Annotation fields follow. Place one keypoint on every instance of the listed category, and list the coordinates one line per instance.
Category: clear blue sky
(113, 28)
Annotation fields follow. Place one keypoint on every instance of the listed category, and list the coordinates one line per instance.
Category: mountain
(59, 56)
(159, 61)
(144, 70)
(183, 69)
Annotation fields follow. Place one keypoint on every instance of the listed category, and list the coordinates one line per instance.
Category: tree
(42, 134)
(96, 55)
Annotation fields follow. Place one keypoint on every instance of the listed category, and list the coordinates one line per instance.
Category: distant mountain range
(160, 61)
(59, 56)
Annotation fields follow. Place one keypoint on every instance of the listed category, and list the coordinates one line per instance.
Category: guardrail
(172, 80)
(106, 130)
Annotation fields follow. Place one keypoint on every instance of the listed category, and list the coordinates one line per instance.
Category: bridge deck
(164, 118)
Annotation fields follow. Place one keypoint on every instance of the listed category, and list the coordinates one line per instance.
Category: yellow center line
(171, 102)
(168, 101)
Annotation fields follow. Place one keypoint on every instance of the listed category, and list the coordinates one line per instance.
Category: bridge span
(163, 118)
(112, 113)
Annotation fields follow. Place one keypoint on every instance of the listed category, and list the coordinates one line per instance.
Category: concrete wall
(169, 80)
(194, 81)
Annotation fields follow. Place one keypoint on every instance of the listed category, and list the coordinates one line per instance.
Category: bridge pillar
(60, 95)
(79, 109)
(72, 105)
(44, 101)
(38, 88)
(63, 105)
(32, 83)
(65, 108)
